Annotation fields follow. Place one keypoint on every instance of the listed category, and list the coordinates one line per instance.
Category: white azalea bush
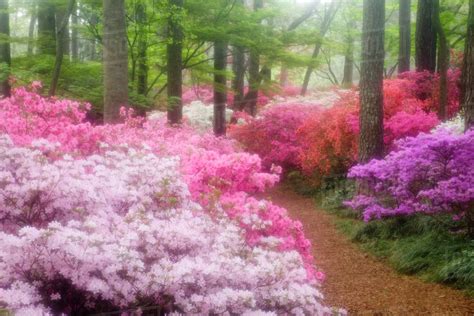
(197, 114)
(118, 230)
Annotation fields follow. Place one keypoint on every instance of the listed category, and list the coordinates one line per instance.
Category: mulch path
(358, 281)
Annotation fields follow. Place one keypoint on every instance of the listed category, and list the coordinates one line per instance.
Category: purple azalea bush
(429, 174)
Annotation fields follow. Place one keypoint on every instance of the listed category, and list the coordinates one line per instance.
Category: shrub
(272, 135)
(99, 218)
(119, 229)
(427, 174)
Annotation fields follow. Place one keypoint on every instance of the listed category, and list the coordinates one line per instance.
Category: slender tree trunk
(60, 47)
(347, 80)
(371, 81)
(254, 73)
(175, 63)
(425, 37)
(328, 17)
(115, 60)
(5, 54)
(404, 19)
(46, 27)
(74, 35)
(62, 16)
(220, 89)
(283, 75)
(142, 71)
(467, 95)
(443, 64)
(31, 29)
(238, 82)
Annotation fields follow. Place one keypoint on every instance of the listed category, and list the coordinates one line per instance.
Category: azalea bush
(137, 214)
(119, 229)
(272, 135)
(428, 174)
(322, 141)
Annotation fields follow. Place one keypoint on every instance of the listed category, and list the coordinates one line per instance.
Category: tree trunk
(74, 35)
(31, 29)
(115, 60)
(467, 95)
(404, 19)
(62, 16)
(142, 71)
(238, 82)
(46, 27)
(220, 90)
(371, 81)
(443, 64)
(5, 54)
(328, 17)
(425, 37)
(283, 75)
(60, 47)
(347, 80)
(254, 73)
(174, 68)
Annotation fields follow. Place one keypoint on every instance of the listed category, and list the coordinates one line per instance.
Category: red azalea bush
(329, 142)
(324, 141)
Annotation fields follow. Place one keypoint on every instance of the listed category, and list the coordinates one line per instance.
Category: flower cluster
(426, 174)
(140, 213)
(320, 135)
(272, 134)
(119, 228)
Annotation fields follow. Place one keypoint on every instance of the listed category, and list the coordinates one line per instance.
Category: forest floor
(359, 282)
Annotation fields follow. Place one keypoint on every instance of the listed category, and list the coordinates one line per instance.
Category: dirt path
(359, 282)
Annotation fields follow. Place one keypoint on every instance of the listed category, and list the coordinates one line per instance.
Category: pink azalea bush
(114, 216)
(119, 228)
(272, 135)
(427, 174)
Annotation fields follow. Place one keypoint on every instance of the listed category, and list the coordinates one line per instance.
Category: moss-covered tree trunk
(404, 20)
(115, 60)
(5, 55)
(220, 89)
(425, 37)
(371, 81)
(174, 67)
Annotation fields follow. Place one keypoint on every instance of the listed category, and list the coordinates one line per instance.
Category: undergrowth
(435, 248)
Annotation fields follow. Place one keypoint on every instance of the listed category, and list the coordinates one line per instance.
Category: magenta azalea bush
(103, 218)
(273, 134)
(428, 174)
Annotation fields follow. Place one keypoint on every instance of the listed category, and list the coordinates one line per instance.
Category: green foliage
(79, 80)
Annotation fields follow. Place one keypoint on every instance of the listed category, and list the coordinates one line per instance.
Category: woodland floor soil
(358, 281)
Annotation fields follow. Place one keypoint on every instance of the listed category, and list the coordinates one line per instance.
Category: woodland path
(359, 282)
